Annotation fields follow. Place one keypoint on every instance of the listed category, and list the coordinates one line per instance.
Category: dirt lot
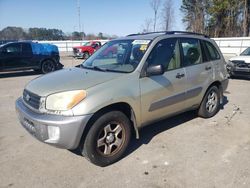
(183, 151)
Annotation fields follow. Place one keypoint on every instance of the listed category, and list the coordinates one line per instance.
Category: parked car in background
(86, 50)
(29, 55)
(240, 65)
(99, 105)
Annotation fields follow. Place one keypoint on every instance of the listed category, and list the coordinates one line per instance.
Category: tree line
(18, 33)
(216, 18)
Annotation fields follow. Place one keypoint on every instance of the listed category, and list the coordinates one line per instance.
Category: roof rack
(171, 33)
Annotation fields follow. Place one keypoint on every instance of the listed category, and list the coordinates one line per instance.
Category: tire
(86, 55)
(48, 66)
(210, 104)
(107, 139)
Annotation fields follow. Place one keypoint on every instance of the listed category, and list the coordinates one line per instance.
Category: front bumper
(238, 70)
(78, 54)
(69, 129)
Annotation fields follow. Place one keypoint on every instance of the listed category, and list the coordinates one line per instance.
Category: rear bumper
(59, 66)
(224, 84)
(59, 131)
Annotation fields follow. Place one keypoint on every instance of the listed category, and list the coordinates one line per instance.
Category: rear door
(163, 95)
(26, 56)
(198, 69)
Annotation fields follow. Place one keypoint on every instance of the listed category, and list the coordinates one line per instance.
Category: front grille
(75, 50)
(31, 99)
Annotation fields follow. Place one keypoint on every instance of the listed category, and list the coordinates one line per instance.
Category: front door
(163, 95)
(11, 56)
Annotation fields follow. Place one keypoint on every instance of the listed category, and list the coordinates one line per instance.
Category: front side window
(118, 56)
(166, 53)
(191, 51)
(13, 48)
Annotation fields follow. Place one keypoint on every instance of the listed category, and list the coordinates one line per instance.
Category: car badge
(27, 97)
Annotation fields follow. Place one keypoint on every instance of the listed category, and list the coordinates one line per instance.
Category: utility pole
(79, 15)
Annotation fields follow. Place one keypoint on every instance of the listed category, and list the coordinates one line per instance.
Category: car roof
(153, 35)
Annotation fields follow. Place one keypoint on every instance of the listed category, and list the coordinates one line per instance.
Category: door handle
(179, 76)
(208, 68)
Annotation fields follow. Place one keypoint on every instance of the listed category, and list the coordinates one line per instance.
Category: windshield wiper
(99, 68)
(103, 69)
(94, 68)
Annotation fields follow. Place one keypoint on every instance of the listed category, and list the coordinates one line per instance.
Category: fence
(232, 46)
(66, 46)
(229, 46)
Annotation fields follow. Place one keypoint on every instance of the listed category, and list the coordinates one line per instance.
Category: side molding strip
(175, 99)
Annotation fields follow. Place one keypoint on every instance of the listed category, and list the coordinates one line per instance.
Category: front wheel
(210, 103)
(48, 66)
(86, 55)
(107, 139)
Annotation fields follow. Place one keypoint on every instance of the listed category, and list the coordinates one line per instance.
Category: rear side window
(191, 51)
(212, 52)
(26, 48)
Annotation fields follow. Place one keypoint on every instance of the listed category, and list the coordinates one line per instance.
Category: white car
(240, 65)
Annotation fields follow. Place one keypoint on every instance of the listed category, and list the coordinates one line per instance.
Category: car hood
(83, 47)
(69, 79)
(241, 58)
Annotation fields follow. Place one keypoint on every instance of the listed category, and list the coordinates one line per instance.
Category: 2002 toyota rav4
(97, 106)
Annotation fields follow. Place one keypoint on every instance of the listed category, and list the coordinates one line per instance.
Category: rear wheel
(210, 103)
(48, 66)
(107, 139)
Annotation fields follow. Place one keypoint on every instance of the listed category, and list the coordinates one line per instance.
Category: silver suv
(128, 83)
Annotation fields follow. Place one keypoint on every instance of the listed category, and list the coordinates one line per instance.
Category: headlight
(65, 100)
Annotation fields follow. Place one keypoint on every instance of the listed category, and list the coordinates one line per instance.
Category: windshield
(246, 51)
(118, 56)
(87, 44)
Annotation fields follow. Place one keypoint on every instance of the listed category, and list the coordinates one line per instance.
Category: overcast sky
(108, 16)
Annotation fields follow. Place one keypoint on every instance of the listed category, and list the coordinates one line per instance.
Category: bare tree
(167, 14)
(147, 25)
(155, 4)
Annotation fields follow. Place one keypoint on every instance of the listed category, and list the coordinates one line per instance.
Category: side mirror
(155, 70)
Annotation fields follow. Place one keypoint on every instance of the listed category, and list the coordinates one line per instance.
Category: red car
(86, 50)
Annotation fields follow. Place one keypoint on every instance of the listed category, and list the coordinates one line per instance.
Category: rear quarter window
(212, 51)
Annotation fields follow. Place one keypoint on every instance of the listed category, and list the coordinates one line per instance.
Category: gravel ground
(183, 151)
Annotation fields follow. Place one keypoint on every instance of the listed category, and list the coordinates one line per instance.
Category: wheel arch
(218, 84)
(120, 106)
(45, 59)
